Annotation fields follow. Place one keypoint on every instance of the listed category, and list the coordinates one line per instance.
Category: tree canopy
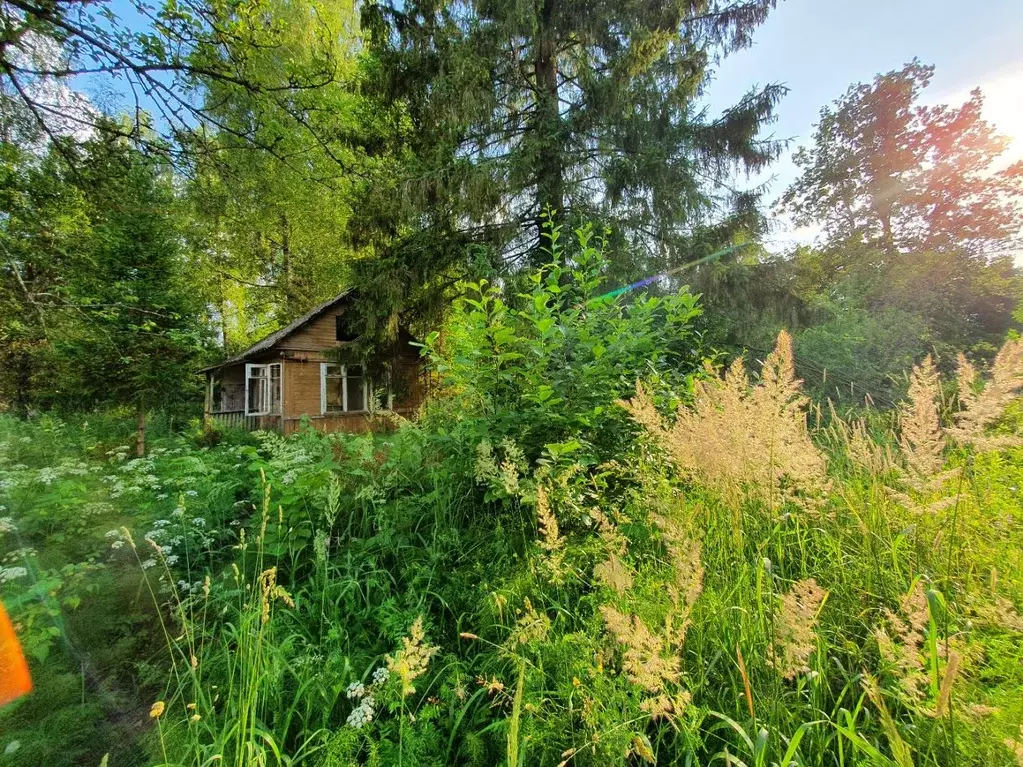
(96, 305)
(888, 172)
(920, 218)
(284, 150)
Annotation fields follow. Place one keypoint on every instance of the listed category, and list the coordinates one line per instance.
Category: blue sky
(819, 47)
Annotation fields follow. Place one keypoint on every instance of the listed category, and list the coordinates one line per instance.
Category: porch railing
(236, 419)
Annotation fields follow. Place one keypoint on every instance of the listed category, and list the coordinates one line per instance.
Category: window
(355, 388)
(341, 331)
(343, 388)
(263, 389)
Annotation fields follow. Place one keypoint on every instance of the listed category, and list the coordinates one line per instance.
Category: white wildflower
(355, 690)
(12, 573)
(47, 475)
(363, 713)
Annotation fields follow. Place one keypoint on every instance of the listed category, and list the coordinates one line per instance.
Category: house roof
(270, 341)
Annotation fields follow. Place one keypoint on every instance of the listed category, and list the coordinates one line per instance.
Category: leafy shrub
(546, 366)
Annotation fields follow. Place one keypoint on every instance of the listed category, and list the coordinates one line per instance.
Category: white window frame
(267, 382)
(366, 389)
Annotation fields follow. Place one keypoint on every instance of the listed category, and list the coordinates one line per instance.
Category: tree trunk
(140, 428)
(290, 299)
(550, 172)
(886, 232)
(22, 365)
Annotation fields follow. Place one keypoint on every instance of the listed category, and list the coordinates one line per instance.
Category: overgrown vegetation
(554, 565)
(622, 530)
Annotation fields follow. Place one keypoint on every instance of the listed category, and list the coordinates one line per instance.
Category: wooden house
(297, 372)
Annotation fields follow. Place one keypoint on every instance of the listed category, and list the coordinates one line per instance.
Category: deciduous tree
(888, 172)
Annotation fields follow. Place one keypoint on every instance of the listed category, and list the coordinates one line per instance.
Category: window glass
(333, 381)
(356, 382)
(275, 388)
(257, 389)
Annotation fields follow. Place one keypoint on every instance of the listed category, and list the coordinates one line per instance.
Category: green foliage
(862, 354)
(861, 319)
(542, 366)
(591, 112)
(535, 571)
(514, 579)
(882, 315)
(274, 233)
(93, 282)
(916, 253)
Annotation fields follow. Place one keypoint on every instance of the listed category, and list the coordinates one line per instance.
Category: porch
(246, 396)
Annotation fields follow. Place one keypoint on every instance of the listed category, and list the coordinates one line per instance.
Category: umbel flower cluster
(365, 711)
(407, 665)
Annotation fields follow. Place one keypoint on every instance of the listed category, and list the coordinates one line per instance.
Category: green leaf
(558, 449)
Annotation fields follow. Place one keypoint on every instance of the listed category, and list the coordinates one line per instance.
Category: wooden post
(207, 405)
(140, 437)
(280, 395)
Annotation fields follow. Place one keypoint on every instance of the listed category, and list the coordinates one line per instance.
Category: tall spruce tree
(581, 109)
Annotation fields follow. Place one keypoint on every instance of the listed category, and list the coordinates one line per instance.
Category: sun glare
(1003, 107)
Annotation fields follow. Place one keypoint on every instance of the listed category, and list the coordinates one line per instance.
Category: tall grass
(830, 598)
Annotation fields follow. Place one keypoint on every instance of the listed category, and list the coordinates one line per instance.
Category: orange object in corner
(14, 678)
